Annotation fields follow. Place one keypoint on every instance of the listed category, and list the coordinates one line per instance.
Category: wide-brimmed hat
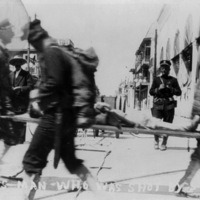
(17, 60)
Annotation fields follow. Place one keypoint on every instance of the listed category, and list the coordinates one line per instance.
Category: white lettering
(157, 187)
(33, 186)
(63, 185)
(76, 184)
(149, 188)
(111, 188)
(85, 185)
(131, 188)
(22, 184)
(172, 187)
(42, 186)
(141, 187)
(105, 187)
(118, 187)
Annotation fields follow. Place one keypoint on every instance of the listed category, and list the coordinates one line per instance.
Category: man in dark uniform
(163, 89)
(22, 84)
(55, 96)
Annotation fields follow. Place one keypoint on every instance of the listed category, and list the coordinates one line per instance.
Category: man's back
(56, 78)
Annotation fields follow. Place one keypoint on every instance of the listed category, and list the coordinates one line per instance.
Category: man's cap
(36, 31)
(17, 60)
(164, 63)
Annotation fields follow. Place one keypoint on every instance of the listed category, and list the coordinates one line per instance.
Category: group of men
(54, 97)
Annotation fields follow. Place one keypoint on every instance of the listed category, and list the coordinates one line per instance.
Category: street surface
(129, 167)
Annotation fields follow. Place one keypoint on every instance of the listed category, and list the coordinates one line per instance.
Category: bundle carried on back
(84, 65)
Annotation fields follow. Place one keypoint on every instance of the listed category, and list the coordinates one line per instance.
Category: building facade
(175, 35)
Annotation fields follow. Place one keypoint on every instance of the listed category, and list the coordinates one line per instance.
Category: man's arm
(154, 90)
(55, 74)
(30, 85)
(176, 90)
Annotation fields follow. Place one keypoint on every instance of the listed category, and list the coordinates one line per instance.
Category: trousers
(166, 116)
(42, 143)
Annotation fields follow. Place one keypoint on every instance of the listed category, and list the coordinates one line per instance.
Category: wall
(182, 19)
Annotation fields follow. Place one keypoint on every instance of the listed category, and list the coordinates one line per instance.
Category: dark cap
(165, 63)
(36, 32)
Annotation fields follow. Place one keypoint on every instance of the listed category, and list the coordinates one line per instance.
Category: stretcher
(184, 134)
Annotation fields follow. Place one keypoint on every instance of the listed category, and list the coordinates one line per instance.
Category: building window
(147, 51)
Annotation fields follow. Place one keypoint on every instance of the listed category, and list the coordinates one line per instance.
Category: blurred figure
(184, 188)
(58, 123)
(6, 128)
(163, 89)
(22, 84)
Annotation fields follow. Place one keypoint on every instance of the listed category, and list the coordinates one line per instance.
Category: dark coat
(56, 80)
(20, 99)
(165, 95)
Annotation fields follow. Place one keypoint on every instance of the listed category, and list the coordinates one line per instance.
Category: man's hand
(171, 89)
(17, 89)
(162, 86)
(34, 94)
(10, 113)
(103, 107)
(35, 110)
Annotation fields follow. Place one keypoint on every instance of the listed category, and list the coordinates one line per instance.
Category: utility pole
(28, 50)
(155, 55)
(28, 53)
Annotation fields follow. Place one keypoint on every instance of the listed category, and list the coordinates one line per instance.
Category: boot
(97, 189)
(84, 174)
(163, 146)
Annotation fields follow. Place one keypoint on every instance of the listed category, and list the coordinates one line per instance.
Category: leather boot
(84, 174)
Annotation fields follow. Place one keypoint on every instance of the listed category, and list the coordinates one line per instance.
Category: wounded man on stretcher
(107, 116)
(104, 115)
